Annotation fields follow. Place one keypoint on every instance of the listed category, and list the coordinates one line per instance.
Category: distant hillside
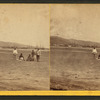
(11, 45)
(58, 41)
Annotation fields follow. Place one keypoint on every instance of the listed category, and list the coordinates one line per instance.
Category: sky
(25, 23)
(76, 21)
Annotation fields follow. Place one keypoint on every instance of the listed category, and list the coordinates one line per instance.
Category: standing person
(38, 53)
(94, 52)
(33, 53)
(15, 52)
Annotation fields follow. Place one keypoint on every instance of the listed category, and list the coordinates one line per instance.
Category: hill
(12, 44)
(59, 41)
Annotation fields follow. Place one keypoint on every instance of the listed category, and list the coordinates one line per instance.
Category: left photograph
(24, 47)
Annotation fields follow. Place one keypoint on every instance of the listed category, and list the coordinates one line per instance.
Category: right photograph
(75, 47)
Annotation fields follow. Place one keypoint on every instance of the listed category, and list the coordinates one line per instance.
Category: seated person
(99, 56)
(30, 58)
(21, 57)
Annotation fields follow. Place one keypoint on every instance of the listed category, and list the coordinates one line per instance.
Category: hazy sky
(25, 23)
(77, 21)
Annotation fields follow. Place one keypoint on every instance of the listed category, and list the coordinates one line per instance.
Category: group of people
(94, 52)
(34, 55)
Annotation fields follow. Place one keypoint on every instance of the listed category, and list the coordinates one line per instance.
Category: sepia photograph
(24, 47)
(75, 47)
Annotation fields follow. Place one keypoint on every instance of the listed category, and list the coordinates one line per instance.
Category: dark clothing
(99, 57)
(38, 57)
(33, 53)
(21, 57)
(30, 58)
